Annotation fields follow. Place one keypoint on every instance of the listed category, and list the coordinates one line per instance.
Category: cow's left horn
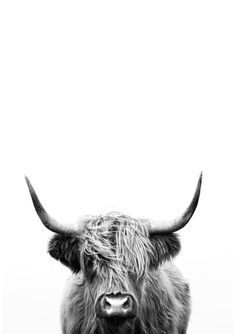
(47, 220)
(177, 223)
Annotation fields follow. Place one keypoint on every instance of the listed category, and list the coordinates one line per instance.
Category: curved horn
(47, 220)
(179, 222)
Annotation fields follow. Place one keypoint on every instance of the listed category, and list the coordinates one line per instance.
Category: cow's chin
(118, 325)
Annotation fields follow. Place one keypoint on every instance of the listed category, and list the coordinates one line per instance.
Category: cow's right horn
(50, 222)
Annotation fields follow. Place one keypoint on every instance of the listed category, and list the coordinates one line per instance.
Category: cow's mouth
(117, 320)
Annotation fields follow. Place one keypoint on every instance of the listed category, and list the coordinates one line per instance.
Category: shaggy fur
(116, 255)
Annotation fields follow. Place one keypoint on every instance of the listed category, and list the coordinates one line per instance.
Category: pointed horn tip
(200, 179)
(27, 180)
(30, 187)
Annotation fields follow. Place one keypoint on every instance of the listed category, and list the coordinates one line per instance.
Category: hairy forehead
(114, 221)
(114, 229)
(117, 239)
(110, 217)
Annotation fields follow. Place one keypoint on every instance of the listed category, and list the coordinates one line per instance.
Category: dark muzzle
(116, 307)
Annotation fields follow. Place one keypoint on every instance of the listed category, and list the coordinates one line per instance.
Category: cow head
(114, 254)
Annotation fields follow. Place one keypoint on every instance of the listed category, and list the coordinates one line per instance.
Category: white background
(117, 105)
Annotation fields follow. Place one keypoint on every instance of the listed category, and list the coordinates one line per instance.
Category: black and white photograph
(118, 168)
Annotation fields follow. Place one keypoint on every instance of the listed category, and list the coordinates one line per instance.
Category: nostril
(106, 304)
(126, 303)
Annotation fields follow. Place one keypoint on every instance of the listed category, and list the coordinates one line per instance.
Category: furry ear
(65, 248)
(166, 246)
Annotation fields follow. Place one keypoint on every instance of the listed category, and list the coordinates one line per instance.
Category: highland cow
(123, 279)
